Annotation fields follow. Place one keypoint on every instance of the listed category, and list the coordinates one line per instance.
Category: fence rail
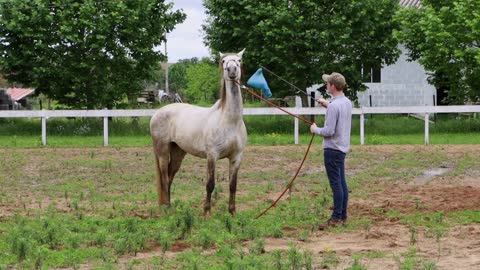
(105, 114)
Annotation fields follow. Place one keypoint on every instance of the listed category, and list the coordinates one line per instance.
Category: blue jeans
(335, 166)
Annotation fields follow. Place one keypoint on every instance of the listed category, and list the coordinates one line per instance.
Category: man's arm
(323, 102)
(329, 126)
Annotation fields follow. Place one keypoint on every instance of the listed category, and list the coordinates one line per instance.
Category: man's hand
(313, 128)
(322, 102)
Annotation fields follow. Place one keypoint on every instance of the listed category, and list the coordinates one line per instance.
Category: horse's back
(177, 112)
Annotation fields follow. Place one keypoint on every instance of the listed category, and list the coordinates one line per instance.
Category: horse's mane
(223, 93)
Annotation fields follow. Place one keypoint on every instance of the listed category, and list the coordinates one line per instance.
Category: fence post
(298, 104)
(105, 128)
(362, 128)
(427, 135)
(44, 128)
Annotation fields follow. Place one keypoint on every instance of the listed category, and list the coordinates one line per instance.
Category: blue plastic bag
(258, 81)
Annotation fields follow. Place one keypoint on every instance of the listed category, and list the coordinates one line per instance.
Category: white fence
(424, 110)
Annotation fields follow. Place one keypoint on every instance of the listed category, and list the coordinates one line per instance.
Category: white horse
(213, 133)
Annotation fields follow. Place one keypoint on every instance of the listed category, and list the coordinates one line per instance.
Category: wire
(292, 85)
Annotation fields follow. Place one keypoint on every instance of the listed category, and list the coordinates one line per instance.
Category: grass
(263, 130)
(23, 141)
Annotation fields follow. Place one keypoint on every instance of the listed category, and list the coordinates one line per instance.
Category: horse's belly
(192, 146)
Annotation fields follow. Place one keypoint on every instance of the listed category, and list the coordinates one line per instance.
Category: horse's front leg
(210, 183)
(233, 172)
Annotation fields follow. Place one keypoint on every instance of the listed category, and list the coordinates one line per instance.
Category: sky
(186, 41)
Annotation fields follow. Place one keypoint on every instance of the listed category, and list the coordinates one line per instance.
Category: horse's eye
(240, 60)
(223, 61)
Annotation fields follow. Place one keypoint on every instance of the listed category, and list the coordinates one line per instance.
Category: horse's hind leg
(176, 157)
(210, 184)
(162, 160)
(233, 173)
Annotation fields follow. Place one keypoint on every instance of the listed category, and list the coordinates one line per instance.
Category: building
(15, 98)
(401, 84)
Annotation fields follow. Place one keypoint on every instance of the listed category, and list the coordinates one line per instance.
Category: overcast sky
(185, 41)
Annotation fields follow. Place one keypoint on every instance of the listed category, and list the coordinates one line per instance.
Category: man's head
(335, 79)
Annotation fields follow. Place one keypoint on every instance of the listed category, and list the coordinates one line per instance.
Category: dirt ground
(440, 187)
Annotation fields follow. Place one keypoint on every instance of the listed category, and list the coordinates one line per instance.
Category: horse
(210, 133)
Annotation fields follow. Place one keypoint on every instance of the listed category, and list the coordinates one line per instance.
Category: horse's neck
(233, 107)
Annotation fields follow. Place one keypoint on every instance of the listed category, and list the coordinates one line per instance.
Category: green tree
(83, 53)
(444, 36)
(300, 40)
(177, 75)
(203, 82)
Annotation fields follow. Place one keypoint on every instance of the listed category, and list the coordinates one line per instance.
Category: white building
(402, 84)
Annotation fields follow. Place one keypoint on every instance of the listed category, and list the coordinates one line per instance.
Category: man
(336, 144)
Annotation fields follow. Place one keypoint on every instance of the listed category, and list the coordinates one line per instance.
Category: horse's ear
(221, 55)
(241, 53)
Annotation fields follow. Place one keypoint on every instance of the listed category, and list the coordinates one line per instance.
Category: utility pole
(166, 69)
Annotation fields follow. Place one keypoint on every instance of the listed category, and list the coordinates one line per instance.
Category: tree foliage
(83, 53)
(203, 81)
(177, 75)
(300, 40)
(444, 36)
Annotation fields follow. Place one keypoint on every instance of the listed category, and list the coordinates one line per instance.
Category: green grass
(253, 139)
(262, 130)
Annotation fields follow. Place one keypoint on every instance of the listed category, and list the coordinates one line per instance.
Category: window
(371, 74)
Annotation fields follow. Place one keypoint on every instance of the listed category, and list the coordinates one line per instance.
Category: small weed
(303, 236)
(20, 248)
(277, 259)
(187, 219)
(308, 260)
(329, 259)
(413, 234)
(165, 241)
(257, 247)
(120, 245)
(429, 265)
(205, 239)
(228, 222)
(218, 190)
(417, 204)
(277, 231)
(294, 258)
(356, 264)
(132, 263)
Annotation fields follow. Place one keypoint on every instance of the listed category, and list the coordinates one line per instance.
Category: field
(411, 207)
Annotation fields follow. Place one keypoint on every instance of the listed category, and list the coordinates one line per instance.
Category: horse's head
(231, 65)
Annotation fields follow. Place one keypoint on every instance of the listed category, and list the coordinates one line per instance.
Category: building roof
(411, 3)
(19, 93)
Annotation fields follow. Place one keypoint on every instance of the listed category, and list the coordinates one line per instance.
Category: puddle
(429, 174)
